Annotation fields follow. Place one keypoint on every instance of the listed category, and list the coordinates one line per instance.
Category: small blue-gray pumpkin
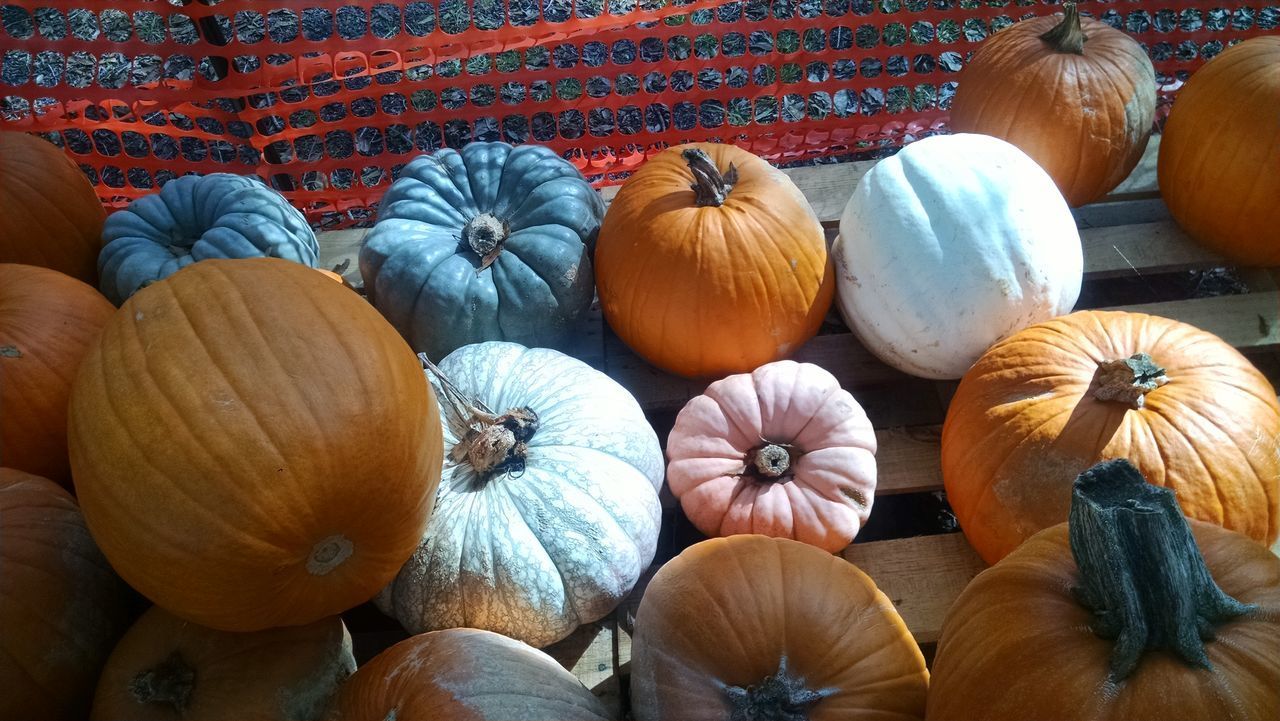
(197, 217)
(492, 243)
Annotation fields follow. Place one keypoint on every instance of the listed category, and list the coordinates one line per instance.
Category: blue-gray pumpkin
(491, 243)
(197, 217)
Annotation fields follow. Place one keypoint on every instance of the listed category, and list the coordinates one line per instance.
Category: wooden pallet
(1129, 237)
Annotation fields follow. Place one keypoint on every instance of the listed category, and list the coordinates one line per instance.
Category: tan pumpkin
(751, 627)
(167, 669)
(1124, 613)
(1076, 95)
(710, 261)
(464, 674)
(50, 215)
(782, 451)
(1043, 405)
(47, 321)
(253, 445)
(1221, 150)
(61, 606)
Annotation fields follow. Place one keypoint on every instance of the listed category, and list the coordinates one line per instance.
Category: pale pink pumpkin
(782, 451)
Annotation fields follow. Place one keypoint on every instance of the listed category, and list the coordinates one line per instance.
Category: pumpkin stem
(485, 234)
(779, 697)
(491, 443)
(1141, 572)
(168, 683)
(772, 460)
(1067, 36)
(1128, 380)
(709, 186)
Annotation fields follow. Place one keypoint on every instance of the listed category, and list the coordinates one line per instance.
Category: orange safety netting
(327, 99)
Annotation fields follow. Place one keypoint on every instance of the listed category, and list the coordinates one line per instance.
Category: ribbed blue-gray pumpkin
(195, 218)
(490, 243)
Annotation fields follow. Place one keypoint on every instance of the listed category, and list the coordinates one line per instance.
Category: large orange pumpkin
(1076, 95)
(464, 674)
(752, 627)
(50, 215)
(167, 669)
(711, 262)
(253, 445)
(1219, 164)
(61, 606)
(1045, 404)
(47, 321)
(1124, 613)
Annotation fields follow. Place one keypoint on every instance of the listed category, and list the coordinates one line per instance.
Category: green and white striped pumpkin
(548, 509)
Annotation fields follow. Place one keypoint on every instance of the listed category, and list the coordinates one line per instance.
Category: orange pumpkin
(166, 668)
(50, 215)
(1043, 405)
(1219, 165)
(253, 445)
(711, 262)
(1078, 96)
(464, 674)
(47, 321)
(1124, 613)
(752, 627)
(61, 606)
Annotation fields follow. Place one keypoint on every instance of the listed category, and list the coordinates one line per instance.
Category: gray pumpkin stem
(772, 460)
(1067, 36)
(485, 234)
(1128, 380)
(710, 188)
(490, 443)
(169, 683)
(1141, 572)
(781, 696)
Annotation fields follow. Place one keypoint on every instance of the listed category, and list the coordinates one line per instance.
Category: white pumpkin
(950, 245)
(548, 509)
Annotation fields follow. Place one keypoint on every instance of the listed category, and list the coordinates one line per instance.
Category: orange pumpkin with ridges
(253, 445)
(61, 606)
(47, 321)
(1076, 95)
(1219, 164)
(1041, 406)
(710, 261)
(50, 215)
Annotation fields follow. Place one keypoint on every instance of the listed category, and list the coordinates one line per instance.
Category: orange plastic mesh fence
(328, 99)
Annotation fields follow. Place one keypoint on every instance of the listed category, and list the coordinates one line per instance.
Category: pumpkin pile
(256, 449)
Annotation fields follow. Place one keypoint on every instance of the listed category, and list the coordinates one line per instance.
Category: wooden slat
(828, 188)
(908, 460)
(591, 653)
(1250, 322)
(1142, 249)
(922, 576)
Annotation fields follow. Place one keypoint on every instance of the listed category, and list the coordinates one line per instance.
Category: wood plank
(338, 246)
(1142, 249)
(591, 654)
(826, 187)
(1250, 322)
(908, 460)
(921, 575)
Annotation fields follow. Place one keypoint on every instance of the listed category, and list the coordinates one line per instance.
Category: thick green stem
(168, 683)
(1141, 573)
(710, 187)
(1128, 380)
(778, 697)
(1067, 36)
